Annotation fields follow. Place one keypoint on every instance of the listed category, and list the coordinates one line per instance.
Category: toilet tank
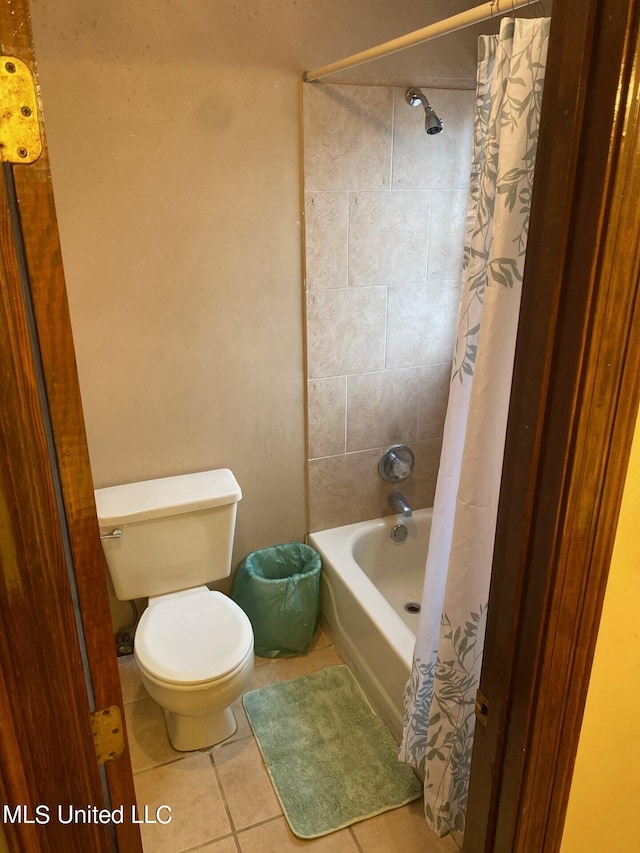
(169, 534)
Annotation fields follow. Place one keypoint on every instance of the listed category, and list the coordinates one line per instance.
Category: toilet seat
(188, 640)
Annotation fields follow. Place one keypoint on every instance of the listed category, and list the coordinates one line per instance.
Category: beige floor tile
(190, 788)
(281, 669)
(245, 783)
(274, 836)
(284, 668)
(319, 641)
(148, 739)
(262, 674)
(402, 829)
(130, 681)
(244, 729)
(458, 839)
(225, 845)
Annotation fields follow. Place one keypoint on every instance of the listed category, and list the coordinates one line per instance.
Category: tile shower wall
(384, 231)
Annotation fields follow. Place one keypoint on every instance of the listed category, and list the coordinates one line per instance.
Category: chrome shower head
(432, 123)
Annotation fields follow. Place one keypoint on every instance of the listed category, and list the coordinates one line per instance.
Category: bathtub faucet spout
(399, 505)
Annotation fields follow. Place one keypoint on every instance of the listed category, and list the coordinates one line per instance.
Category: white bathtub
(367, 581)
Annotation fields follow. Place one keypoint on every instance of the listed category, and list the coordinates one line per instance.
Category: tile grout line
(144, 770)
(223, 797)
(210, 841)
(354, 838)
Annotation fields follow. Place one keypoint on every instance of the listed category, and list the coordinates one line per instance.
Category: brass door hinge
(108, 737)
(20, 140)
(482, 707)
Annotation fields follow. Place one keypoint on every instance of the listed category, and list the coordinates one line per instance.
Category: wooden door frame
(572, 416)
(47, 467)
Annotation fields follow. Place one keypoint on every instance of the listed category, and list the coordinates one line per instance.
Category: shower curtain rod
(440, 28)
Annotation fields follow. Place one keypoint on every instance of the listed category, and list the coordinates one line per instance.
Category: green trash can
(279, 590)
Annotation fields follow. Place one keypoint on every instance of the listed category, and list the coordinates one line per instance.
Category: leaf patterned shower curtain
(440, 696)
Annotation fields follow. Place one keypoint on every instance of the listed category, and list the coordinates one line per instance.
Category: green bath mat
(331, 758)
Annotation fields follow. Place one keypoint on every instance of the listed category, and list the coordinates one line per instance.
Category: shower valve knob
(396, 463)
(400, 468)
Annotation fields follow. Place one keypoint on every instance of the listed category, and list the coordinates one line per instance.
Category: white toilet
(166, 539)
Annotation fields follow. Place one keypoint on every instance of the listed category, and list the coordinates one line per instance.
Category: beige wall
(385, 214)
(174, 138)
(174, 135)
(603, 805)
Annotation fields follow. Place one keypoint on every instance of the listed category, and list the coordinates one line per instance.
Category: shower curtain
(440, 695)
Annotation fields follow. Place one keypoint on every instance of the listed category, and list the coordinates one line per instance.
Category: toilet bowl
(194, 650)
(165, 539)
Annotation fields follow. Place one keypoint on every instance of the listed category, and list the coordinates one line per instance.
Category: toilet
(165, 539)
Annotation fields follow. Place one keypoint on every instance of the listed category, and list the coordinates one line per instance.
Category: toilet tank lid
(166, 496)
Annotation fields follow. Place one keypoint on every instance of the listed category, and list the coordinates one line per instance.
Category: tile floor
(222, 799)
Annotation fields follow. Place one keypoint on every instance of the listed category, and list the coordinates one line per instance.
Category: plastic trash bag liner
(279, 590)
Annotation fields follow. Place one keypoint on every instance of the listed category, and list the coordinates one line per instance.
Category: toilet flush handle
(115, 534)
